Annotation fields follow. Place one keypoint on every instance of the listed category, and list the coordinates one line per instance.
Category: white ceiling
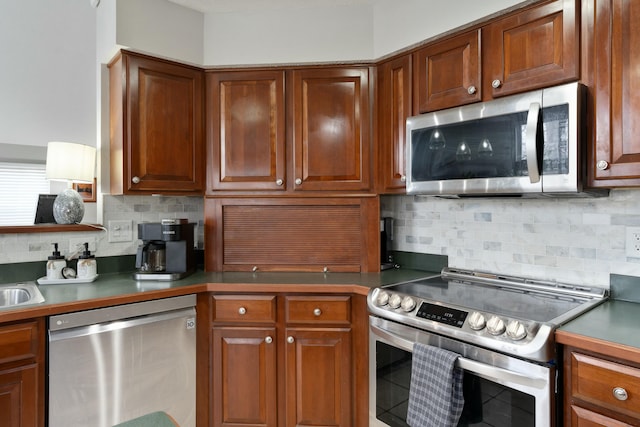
(221, 6)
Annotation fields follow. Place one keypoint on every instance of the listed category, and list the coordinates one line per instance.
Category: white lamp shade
(67, 161)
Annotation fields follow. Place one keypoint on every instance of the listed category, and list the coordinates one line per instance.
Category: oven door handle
(487, 371)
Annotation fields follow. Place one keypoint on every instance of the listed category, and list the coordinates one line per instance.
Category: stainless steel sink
(15, 294)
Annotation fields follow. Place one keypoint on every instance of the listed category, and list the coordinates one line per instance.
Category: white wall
(162, 28)
(338, 33)
(398, 24)
(47, 84)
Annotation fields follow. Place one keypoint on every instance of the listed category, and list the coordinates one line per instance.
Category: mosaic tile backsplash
(577, 241)
(38, 246)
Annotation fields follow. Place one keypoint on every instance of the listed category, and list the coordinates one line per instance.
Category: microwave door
(476, 151)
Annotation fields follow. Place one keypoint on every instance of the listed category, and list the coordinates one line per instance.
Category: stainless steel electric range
(502, 327)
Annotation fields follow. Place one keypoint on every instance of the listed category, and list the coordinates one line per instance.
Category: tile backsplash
(577, 241)
(22, 247)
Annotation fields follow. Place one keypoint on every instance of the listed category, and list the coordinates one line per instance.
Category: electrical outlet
(632, 244)
(120, 231)
(77, 243)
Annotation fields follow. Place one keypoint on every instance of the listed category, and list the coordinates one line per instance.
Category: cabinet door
(531, 49)
(394, 106)
(19, 397)
(244, 377)
(246, 130)
(331, 129)
(447, 73)
(163, 147)
(581, 417)
(614, 57)
(318, 377)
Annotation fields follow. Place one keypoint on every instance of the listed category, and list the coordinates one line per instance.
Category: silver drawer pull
(290, 340)
(620, 393)
(268, 340)
(242, 311)
(317, 312)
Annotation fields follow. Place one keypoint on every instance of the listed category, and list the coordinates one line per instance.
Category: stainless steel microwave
(526, 145)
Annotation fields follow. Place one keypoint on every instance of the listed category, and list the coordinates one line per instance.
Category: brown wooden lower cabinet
(22, 374)
(288, 360)
(600, 390)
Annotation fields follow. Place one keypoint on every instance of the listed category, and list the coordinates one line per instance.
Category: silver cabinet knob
(268, 340)
(602, 165)
(325, 269)
(279, 182)
(317, 312)
(255, 268)
(620, 393)
(496, 83)
(471, 90)
(298, 181)
(403, 178)
(290, 340)
(135, 180)
(242, 311)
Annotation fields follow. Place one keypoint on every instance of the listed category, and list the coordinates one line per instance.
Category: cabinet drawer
(18, 341)
(233, 308)
(598, 381)
(333, 309)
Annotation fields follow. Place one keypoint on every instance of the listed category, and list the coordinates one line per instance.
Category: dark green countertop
(613, 321)
(120, 288)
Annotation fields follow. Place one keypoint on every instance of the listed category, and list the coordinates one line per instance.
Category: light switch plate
(632, 242)
(120, 230)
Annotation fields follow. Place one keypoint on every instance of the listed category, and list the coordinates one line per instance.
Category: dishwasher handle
(189, 314)
(119, 312)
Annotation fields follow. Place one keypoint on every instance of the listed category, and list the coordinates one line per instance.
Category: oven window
(486, 403)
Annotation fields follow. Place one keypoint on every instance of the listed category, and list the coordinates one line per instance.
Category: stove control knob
(408, 304)
(495, 325)
(395, 300)
(516, 331)
(382, 299)
(477, 321)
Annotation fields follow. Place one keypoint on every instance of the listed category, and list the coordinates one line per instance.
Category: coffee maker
(166, 251)
(386, 239)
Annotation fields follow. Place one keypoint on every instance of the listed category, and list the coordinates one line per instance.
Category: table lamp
(67, 161)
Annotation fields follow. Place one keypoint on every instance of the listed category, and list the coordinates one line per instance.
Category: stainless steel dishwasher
(113, 364)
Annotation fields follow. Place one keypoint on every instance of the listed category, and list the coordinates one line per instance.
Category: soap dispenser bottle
(55, 264)
(87, 265)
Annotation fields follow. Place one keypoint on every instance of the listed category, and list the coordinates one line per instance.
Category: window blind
(20, 185)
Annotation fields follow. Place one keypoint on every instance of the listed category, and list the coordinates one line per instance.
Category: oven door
(499, 390)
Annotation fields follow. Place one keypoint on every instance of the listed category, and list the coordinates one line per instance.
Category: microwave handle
(531, 142)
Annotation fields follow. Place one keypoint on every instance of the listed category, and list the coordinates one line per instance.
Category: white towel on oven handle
(435, 394)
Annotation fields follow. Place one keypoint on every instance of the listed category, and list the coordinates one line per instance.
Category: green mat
(154, 419)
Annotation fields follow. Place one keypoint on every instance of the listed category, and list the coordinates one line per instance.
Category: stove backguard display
(446, 315)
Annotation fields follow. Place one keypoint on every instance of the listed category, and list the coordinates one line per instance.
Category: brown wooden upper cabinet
(533, 48)
(611, 53)
(288, 130)
(330, 128)
(157, 134)
(393, 107)
(448, 73)
(246, 130)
